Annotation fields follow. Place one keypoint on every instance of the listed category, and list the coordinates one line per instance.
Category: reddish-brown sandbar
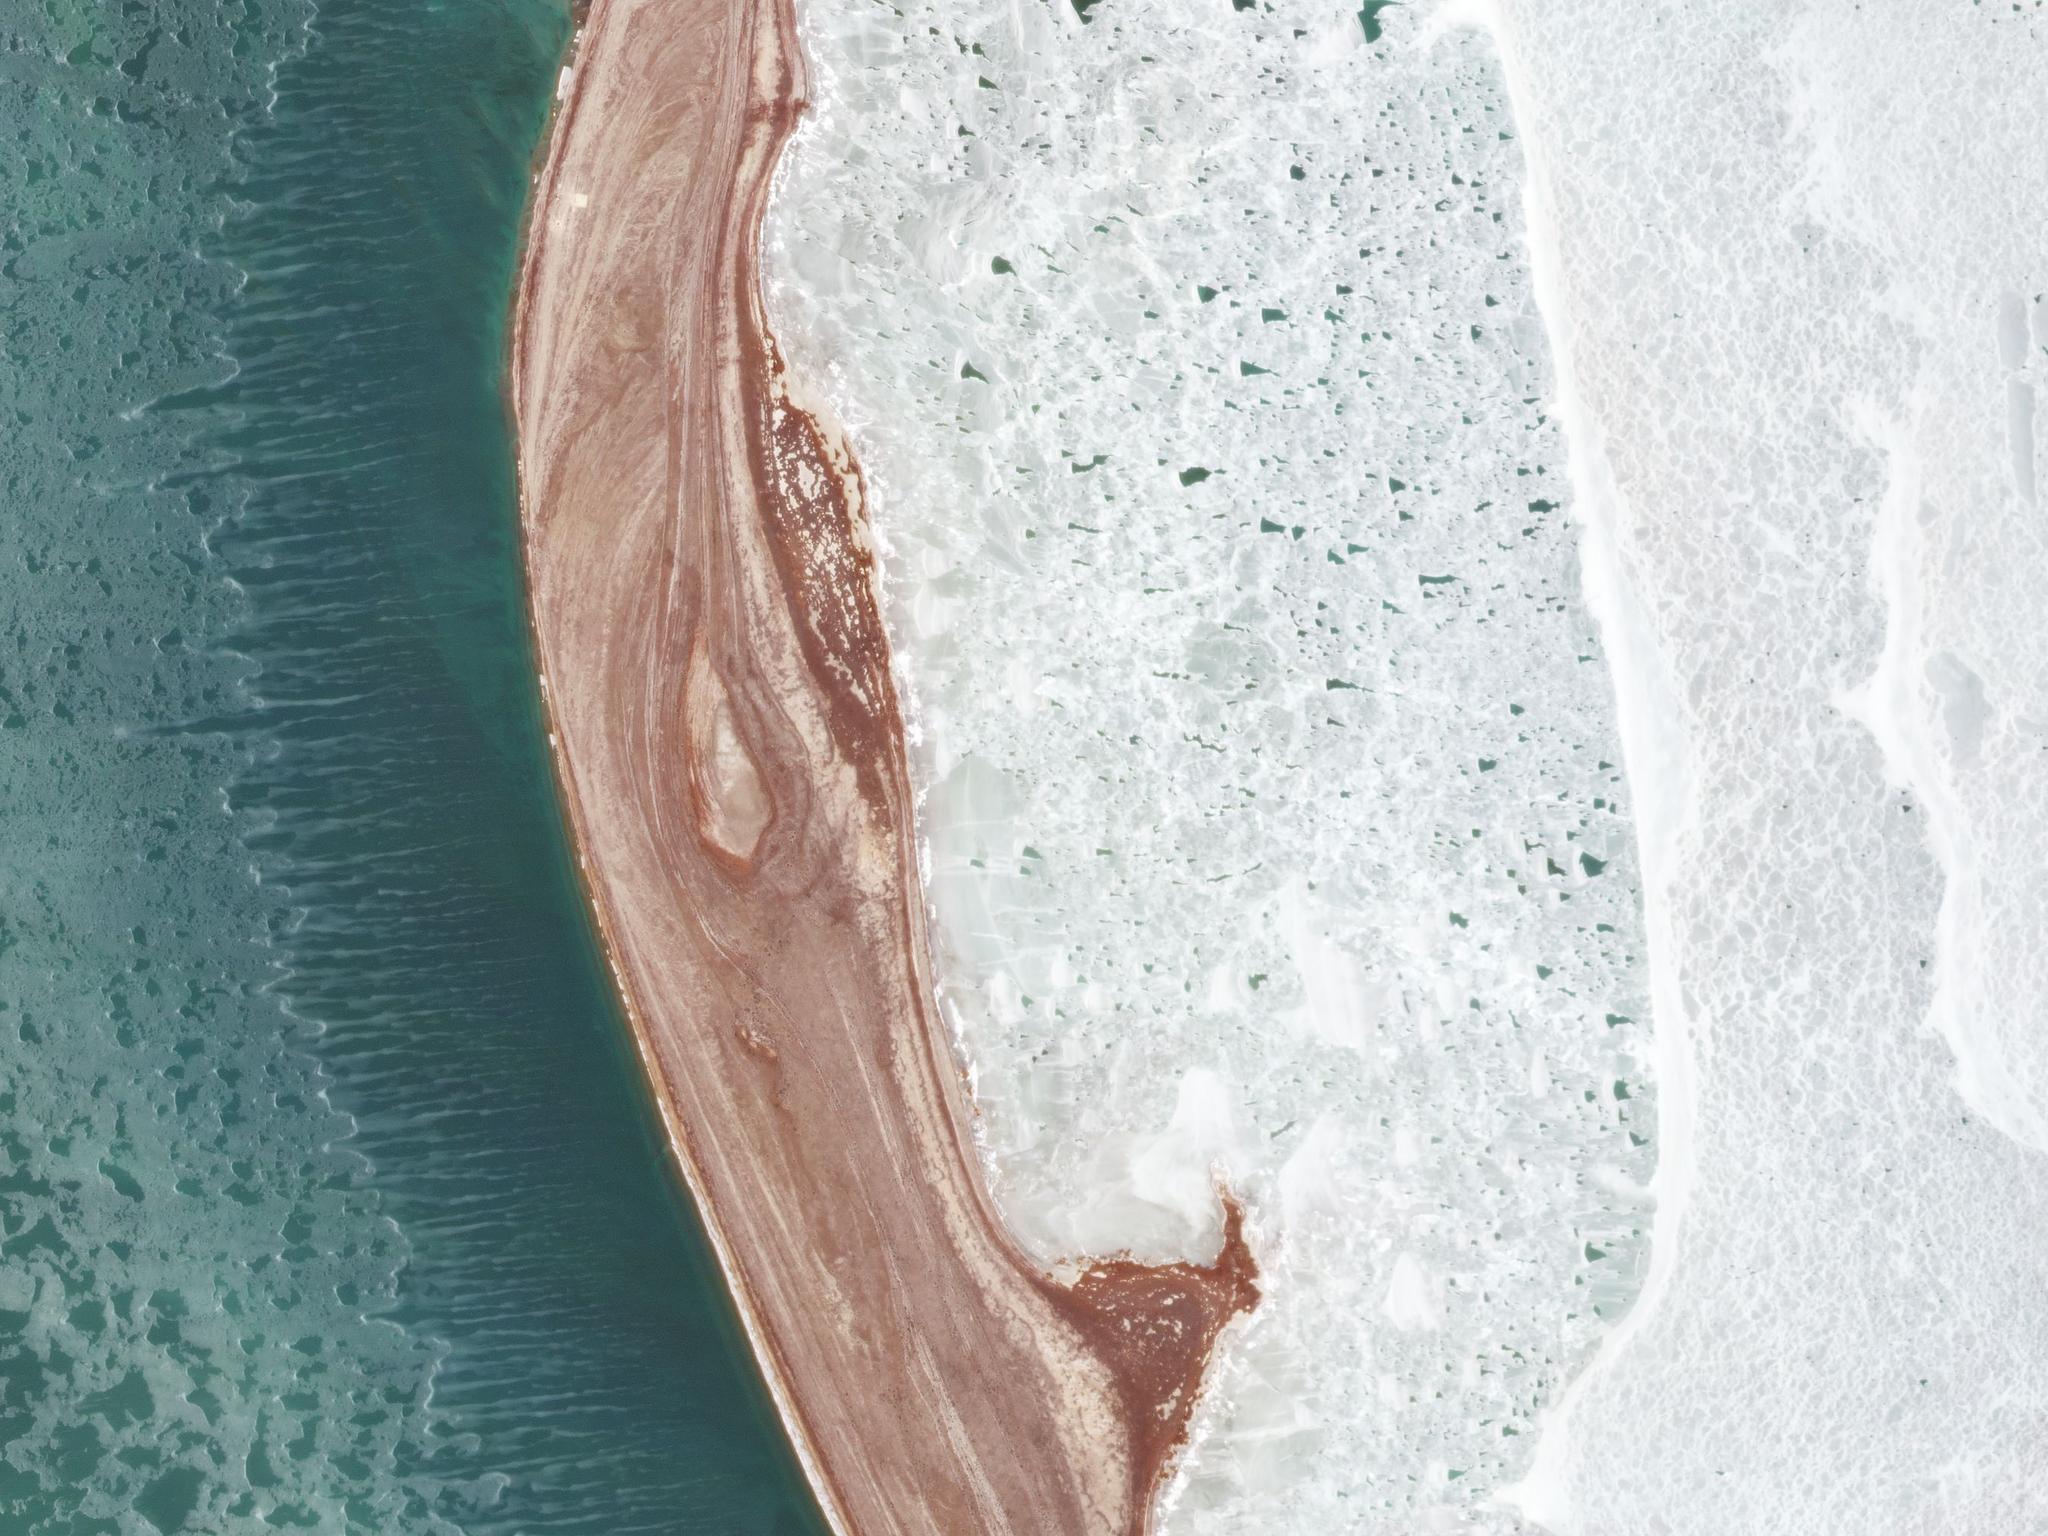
(729, 746)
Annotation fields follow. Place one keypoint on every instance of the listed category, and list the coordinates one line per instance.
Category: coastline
(584, 14)
(783, 864)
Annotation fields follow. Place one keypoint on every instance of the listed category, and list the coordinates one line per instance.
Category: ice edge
(1656, 758)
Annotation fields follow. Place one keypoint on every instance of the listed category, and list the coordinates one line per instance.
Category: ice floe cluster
(1274, 804)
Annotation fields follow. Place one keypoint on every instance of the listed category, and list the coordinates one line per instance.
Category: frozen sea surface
(1792, 258)
(1290, 540)
(1273, 798)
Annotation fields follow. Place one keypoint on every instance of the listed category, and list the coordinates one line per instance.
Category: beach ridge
(729, 750)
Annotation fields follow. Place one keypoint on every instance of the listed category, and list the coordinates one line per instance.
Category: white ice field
(1470, 587)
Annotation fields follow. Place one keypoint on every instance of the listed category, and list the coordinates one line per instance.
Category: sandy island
(728, 742)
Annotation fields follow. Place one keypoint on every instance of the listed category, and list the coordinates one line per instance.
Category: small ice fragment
(1411, 1303)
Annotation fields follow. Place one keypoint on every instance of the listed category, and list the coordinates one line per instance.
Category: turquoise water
(329, 1196)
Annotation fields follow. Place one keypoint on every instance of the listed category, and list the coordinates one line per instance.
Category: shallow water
(330, 1195)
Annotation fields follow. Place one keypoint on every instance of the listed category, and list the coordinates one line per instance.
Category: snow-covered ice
(1465, 580)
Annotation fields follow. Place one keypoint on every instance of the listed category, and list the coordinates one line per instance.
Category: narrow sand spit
(729, 747)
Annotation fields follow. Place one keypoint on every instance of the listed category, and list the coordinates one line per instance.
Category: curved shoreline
(727, 742)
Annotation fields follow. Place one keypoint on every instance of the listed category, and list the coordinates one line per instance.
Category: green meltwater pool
(330, 1197)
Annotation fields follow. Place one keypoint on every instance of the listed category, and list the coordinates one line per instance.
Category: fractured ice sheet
(1793, 258)
(1274, 804)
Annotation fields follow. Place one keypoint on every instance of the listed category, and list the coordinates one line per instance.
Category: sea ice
(1791, 259)
(1265, 659)
(1273, 799)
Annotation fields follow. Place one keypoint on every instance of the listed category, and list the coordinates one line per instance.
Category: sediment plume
(730, 750)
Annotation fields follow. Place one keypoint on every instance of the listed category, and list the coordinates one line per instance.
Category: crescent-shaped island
(730, 750)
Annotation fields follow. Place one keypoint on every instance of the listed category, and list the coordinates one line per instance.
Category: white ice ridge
(1792, 260)
(1273, 792)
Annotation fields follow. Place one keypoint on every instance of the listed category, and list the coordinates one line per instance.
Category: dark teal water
(329, 1196)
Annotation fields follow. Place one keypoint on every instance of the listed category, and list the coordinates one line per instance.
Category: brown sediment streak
(730, 750)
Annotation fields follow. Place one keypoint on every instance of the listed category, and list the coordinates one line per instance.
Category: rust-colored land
(728, 743)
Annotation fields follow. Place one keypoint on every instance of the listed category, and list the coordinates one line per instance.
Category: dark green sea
(330, 1198)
